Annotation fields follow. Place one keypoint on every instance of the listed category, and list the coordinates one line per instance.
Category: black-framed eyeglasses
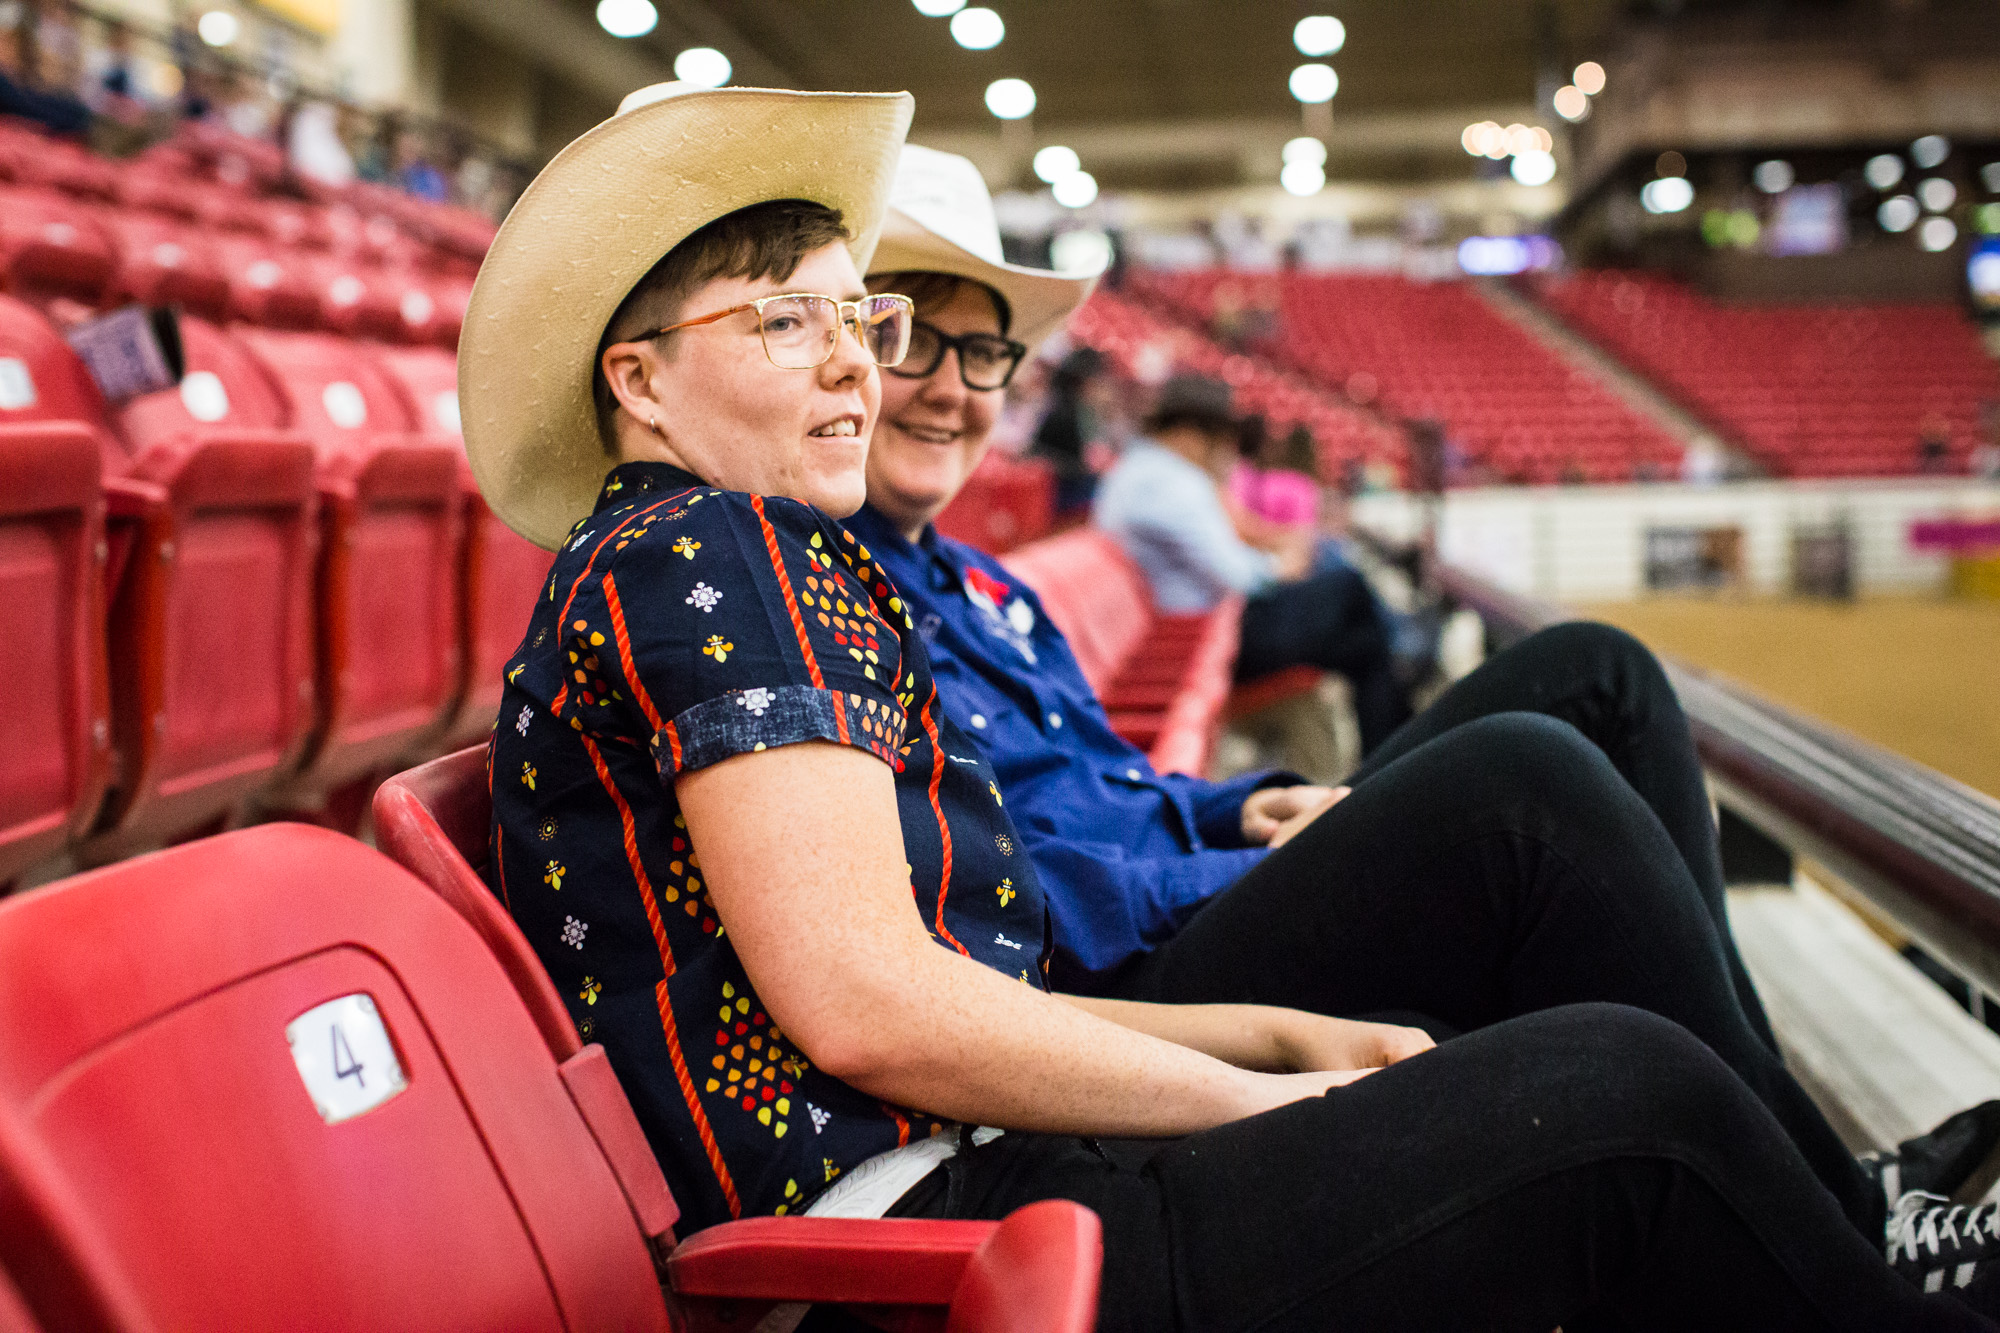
(985, 360)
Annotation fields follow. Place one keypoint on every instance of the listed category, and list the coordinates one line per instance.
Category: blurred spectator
(23, 91)
(245, 107)
(416, 173)
(1162, 504)
(1067, 426)
(315, 150)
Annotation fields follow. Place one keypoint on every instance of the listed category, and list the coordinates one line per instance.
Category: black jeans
(1610, 687)
(1332, 621)
(1498, 869)
(1592, 1167)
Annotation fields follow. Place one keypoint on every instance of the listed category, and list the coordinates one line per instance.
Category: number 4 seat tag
(345, 1057)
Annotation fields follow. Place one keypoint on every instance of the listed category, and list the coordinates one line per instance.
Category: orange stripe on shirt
(944, 828)
(785, 586)
(661, 998)
(625, 661)
(555, 705)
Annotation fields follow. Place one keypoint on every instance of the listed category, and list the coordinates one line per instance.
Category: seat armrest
(594, 1088)
(849, 1261)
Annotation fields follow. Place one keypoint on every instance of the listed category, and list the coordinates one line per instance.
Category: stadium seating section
(276, 582)
(1147, 345)
(1809, 391)
(1438, 352)
(285, 1054)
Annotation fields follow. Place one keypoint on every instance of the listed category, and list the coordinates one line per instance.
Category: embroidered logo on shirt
(1015, 623)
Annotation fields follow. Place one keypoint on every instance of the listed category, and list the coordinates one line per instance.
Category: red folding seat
(60, 164)
(266, 284)
(435, 821)
(56, 739)
(52, 244)
(164, 262)
(155, 187)
(502, 572)
(355, 298)
(390, 663)
(390, 1140)
(224, 387)
(207, 568)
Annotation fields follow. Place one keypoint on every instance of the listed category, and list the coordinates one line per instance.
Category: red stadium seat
(41, 379)
(356, 299)
(390, 665)
(439, 1169)
(266, 284)
(1006, 502)
(52, 244)
(225, 386)
(1038, 1271)
(57, 740)
(502, 573)
(1164, 680)
(164, 262)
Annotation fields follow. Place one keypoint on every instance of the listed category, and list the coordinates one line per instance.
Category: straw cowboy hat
(941, 221)
(595, 221)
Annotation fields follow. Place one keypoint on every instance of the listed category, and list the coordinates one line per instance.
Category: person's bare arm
(803, 854)
(1259, 1036)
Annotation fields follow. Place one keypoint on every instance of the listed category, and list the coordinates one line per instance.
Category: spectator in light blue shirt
(1162, 503)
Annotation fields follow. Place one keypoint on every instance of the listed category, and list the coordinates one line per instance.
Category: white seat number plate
(345, 1057)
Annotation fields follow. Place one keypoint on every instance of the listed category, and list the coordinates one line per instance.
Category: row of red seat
(1005, 502)
(272, 1080)
(269, 583)
(1438, 351)
(162, 230)
(1144, 345)
(1810, 390)
(1164, 680)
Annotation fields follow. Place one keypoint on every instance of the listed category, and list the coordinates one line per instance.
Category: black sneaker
(1958, 1159)
(1940, 1245)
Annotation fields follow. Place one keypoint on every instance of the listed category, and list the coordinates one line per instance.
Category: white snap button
(979, 721)
(1055, 721)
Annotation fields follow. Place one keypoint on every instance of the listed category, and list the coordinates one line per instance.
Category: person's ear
(629, 371)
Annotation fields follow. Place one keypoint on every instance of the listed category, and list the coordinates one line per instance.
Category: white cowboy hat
(595, 221)
(941, 221)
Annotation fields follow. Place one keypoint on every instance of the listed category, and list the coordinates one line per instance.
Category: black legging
(1610, 687)
(1332, 621)
(1592, 1167)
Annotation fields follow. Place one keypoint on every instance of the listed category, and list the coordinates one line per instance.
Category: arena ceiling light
(1312, 84)
(1485, 139)
(1937, 194)
(627, 18)
(1570, 102)
(1937, 234)
(1305, 148)
(937, 9)
(1076, 190)
(218, 27)
(1884, 171)
(1010, 99)
(1055, 162)
(1930, 151)
(1082, 251)
(977, 29)
(1319, 35)
(1668, 194)
(1898, 213)
(1529, 139)
(1774, 176)
(1303, 178)
(1535, 167)
(1589, 77)
(703, 66)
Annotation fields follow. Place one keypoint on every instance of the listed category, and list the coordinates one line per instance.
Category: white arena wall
(1585, 544)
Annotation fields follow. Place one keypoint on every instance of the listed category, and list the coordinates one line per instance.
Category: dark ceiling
(1120, 61)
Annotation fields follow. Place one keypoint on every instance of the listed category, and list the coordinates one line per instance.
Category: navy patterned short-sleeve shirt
(681, 625)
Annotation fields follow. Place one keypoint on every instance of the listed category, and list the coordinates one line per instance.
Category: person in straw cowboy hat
(1166, 888)
(770, 874)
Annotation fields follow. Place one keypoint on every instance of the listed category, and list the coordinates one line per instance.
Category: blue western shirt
(681, 625)
(1125, 855)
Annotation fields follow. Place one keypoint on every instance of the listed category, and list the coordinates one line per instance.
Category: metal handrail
(1921, 847)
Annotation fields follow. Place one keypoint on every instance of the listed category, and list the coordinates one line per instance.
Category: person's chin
(838, 495)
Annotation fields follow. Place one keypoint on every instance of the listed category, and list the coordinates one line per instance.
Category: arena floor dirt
(1919, 675)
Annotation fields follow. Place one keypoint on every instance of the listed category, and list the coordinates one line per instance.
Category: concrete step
(1882, 1049)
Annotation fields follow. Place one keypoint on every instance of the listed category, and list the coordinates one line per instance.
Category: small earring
(654, 422)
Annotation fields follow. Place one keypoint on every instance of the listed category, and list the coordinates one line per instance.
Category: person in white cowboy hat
(770, 874)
